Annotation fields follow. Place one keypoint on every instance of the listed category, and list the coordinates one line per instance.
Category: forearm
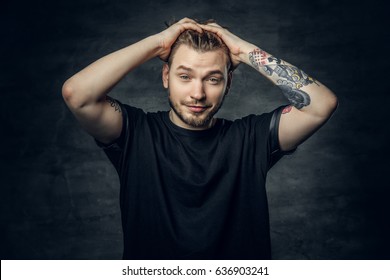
(93, 82)
(302, 91)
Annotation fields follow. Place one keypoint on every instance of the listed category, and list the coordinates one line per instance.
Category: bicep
(102, 120)
(296, 126)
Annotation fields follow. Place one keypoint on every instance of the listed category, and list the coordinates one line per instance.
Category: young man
(193, 186)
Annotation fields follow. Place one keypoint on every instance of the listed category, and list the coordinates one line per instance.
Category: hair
(201, 42)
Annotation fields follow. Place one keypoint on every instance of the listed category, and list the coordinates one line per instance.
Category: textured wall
(59, 194)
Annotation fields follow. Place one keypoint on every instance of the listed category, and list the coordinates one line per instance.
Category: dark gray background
(59, 193)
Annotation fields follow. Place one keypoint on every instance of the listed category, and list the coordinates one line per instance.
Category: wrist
(156, 43)
(245, 53)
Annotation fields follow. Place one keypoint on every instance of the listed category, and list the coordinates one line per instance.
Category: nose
(198, 92)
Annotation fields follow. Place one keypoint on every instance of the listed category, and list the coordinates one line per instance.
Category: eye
(184, 77)
(214, 80)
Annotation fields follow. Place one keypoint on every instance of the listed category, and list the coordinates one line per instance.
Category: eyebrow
(181, 67)
(188, 69)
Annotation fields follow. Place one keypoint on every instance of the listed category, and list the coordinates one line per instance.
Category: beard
(195, 120)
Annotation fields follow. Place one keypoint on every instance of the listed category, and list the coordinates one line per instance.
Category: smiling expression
(197, 84)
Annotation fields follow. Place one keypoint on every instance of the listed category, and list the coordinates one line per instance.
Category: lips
(197, 109)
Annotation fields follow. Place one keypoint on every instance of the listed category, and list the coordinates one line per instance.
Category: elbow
(331, 106)
(67, 92)
(323, 109)
(71, 96)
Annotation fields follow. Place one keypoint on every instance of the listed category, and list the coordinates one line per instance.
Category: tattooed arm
(85, 93)
(312, 103)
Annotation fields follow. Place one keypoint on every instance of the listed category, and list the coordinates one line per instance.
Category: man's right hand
(169, 35)
(85, 93)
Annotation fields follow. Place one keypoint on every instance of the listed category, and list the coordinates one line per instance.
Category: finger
(186, 20)
(213, 24)
(215, 29)
(191, 25)
(212, 28)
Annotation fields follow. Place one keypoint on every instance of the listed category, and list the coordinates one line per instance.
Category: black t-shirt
(194, 194)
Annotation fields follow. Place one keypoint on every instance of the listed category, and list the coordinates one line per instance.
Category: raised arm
(312, 103)
(85, 93)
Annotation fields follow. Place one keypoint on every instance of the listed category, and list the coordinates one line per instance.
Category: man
(193, 186)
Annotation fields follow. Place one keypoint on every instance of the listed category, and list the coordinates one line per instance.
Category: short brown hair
(201, 42)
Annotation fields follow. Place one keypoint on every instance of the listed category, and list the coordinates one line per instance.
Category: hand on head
(169, 36)
(234, 43)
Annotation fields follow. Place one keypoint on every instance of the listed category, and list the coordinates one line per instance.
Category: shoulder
(250, 126)
(254, 121)
(140, 113)
(137, 117)
(132, 111)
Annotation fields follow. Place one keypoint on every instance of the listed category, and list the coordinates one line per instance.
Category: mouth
(197, 109)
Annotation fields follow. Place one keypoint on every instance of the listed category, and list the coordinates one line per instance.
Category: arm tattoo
(298, 98)
(290, 79)
(287, 109)
(114, 104)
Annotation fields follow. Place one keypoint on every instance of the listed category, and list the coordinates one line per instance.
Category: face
(197, 84)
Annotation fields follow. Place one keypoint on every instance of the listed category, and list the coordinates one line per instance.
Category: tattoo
(298, 98)
(253, 58)
(258, 57)
(290, 79)
(114, 104)
(287, 109)
(296, 77)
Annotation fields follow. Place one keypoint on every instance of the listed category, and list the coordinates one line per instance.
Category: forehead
(210, 60)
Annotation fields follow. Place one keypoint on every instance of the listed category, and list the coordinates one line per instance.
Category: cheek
(179, 89)
(176, 92)
(215, 93)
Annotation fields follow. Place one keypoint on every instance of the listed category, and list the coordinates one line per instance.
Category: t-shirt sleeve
(116, 149)
(273, 138)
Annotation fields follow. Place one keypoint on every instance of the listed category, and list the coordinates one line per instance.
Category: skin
(197, 84)
(312, 102)
(85, 93)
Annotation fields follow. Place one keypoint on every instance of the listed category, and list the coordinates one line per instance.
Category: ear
(165, 74)
(229, 82)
